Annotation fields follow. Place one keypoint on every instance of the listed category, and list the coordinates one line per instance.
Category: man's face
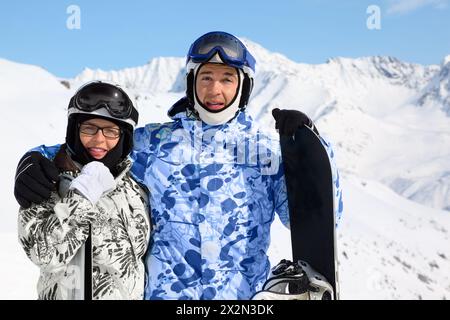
(216, 85)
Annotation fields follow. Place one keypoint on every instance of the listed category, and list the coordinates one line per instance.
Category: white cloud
(406, 6)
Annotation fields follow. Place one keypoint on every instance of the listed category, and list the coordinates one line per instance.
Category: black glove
(36, 178)
(180, 106)
(288, 121)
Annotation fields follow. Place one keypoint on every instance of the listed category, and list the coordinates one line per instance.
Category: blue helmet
(230, 49)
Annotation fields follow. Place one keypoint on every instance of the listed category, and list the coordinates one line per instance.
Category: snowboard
(311, 204)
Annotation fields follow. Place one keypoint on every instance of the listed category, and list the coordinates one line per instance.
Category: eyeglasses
(108, 132)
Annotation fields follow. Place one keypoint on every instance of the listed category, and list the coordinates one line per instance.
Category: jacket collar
(181, 112)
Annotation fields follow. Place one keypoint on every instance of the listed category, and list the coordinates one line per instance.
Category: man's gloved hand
(94, 180)
(288, 121)
(35, 179)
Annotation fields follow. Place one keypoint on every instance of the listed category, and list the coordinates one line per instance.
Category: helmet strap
(247, 87)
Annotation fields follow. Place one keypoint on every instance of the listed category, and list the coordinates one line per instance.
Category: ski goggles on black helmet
(230, 49)
(96, 95)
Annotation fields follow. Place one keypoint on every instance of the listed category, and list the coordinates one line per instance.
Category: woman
(98, 219)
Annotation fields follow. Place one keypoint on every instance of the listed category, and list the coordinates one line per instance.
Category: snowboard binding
(295, 281)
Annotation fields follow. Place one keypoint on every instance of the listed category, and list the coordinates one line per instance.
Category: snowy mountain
(141, 78)
(388, 119)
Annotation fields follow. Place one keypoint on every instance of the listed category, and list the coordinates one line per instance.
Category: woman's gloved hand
(94, 181)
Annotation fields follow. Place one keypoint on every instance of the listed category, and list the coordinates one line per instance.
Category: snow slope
(33, 104)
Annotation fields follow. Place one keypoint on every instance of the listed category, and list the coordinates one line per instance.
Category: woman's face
(99, 142)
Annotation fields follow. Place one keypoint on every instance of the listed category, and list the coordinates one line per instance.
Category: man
(215, 181)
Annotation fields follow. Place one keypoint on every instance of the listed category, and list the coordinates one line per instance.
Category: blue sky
(119, 34)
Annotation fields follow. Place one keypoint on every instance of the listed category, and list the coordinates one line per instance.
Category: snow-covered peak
(444, 74)
(158, 75)
(437, 93)
(266, 59)
(387, 68)
(446, 61)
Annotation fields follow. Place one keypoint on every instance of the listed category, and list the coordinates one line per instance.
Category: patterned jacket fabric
(215, 192)
(53, 234)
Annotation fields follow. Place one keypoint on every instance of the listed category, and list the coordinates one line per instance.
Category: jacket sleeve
(51, 233)
(280, 196)
(278, 182)
(337, 187)
(142, 149)
(47, 151)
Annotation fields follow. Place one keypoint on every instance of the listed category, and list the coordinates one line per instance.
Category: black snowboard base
(311, 203)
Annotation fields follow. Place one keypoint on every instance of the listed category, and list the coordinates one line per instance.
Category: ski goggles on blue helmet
(97, 95)
(230, 49)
